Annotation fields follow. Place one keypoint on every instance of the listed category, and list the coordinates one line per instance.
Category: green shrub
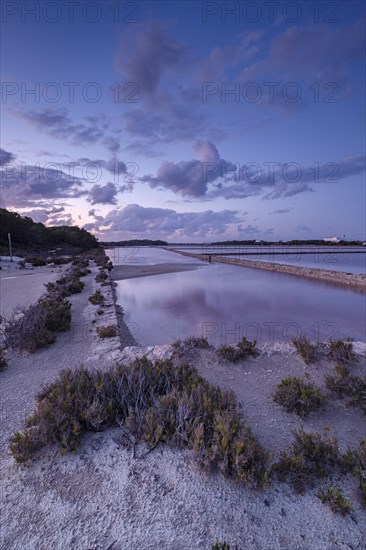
(243, 349)
(107, 332)
(333, 496)
(190, 343)
(36, 262)
(97, 298)
(34, 327)
(341, 352)
(156, 402)
(309, 457)
(101, 276)
(74, 287)
(223, 546)
(100, 311)
(3, 361)
(305, 349)
(354, 461)
(61, 261)
(295, 395)
(342, 384)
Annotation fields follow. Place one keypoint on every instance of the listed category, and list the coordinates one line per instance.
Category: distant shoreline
(356, 282)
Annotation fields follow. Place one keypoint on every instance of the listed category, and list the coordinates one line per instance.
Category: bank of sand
(356, 282)
(102, 497)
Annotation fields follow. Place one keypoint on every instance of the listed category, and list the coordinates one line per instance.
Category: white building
(331, 240)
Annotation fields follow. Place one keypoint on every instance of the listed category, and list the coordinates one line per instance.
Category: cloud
(145, 55)
(281, 211)
(302, 228)
(190, 178)
(103, 194)
(137, 221)
(6, 157)
(57, 123)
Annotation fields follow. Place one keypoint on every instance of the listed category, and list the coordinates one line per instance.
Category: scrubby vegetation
(192, 342)
(354, 460)
(224, 546)
(3, 361)
(334, 498)
(101, 276)
(341, 352)
(107, 331)
(343, 384)
(97, 298)
(156, 403)
(296, 395)
(35, 327)
(243, 349)
(310, 457)
(305, 349)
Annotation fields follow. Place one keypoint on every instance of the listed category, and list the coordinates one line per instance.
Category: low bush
(191, 342)
(60, 261)
(34, 327)
(101, 276)
(296, 395)
(100, 311)
(107, 331)
(243, 349)
(156, 403)
(354, 461)
(97, 298)
(334, 498)
(343, 384)
(305, 349)
(223, 546)
(3, 361)
(36, 262)
(341, 351)
(310, 457)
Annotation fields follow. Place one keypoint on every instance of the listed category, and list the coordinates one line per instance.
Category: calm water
(348, 261)
(226, 302)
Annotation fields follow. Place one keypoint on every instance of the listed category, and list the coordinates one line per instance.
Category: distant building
(258, 242)
(331, 240)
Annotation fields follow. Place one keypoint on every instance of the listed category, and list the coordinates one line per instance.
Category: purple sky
(186, 121)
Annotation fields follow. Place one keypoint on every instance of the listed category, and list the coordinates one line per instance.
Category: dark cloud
(56, 122)
(281, 211)
(146, 53)
(6, 157)
(103, 194)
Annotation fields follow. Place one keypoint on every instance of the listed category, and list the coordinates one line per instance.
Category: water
(225, 302)
(351, 260)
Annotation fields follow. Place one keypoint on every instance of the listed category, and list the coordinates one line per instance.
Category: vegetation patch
(97, 298)
(36, 262)
(107, 331)
(310, 457)
(156, 403)
(3, 361)
(305, 349)
(341, 351)
(354, 461)
(334, 498)
(243, 349)
(224, 546)
(101, 276)
(192, 342)
(296, 395)
(343, 384)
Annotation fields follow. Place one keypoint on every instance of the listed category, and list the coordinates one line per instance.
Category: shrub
(341, 352)
(101, 276)
(34, 327)
(343, 384)
(36, 262)
(241, 350)
(305, 349)
(190, 343)
(107, 332)
(223, 546)
(156, 402)
(3, 361)
(74, 287)
(334, 498)
(61, 261)
(97, 298)
(295, 395)
(354, 461)
(100, 311)
(309, 457)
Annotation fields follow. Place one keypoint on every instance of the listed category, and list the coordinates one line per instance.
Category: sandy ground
(102, 498)
(132, 271)
(338, 278)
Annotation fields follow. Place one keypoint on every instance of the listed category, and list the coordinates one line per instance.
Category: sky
(185, 121)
